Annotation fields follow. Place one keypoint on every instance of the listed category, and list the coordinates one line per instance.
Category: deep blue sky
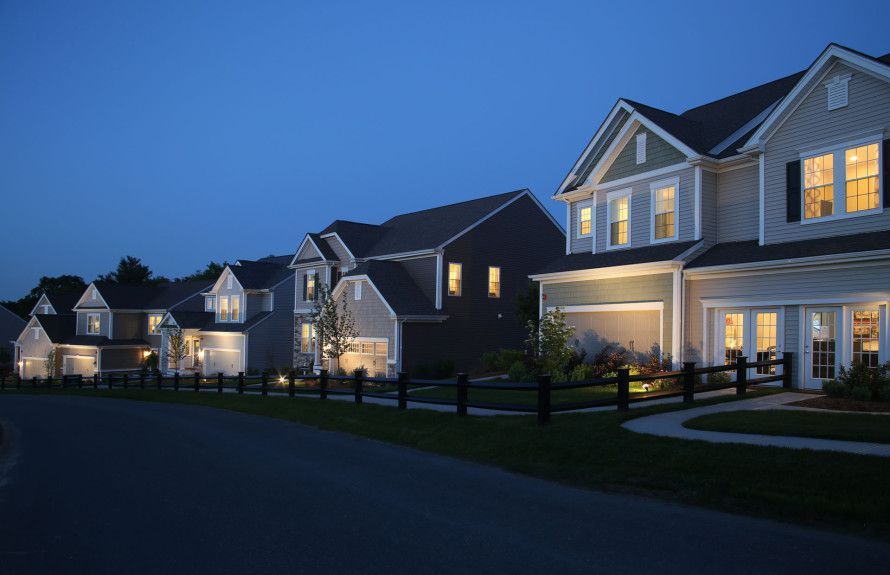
(182, 132)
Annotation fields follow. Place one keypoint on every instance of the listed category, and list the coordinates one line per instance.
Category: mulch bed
(843, 404)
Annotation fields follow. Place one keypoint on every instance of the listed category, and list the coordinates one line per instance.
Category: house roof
(327, 252)
(58, 327)
(397, 287)
(237, 327)
(743, 252)
(11, 325)
(259, 274)
(415, 231)
(192, 319)
(161, 296)
(278, 260)
(63, 302)
(647, 254)
(102, 341)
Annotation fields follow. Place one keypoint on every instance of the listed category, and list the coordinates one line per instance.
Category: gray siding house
(11, 325)
(749, 226)
(243, 322)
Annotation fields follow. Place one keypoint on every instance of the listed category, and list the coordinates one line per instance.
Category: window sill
(843, 216)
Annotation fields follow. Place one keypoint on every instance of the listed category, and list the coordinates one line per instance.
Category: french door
(754, 333)
(822, 346)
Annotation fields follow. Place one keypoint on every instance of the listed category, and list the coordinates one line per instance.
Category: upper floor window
(93, 323)
(454, 278)
(154, 320)
(310, 286)
(236, 308)
(223, 309)
(619, 218)
(664, 210)
(494, 281)
(863, 185)
(818, 186)
(209, 303)
(307, 338)
(584, 220)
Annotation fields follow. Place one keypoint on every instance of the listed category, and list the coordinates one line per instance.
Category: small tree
(550, 341)
(175, 347)
(49, 364)
(334, 324)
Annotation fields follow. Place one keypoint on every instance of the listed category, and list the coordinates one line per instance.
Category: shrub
(833, 388)
(501, 360)
(719, 377)
(582, 372)
(860, 394)
(608, 360)
(866, 382)
(654, 362)
(519, 372)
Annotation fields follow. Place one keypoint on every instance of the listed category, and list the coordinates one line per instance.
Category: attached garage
(84, 365)
(227, 361)
(368, 354)
(33, 367)
(634, 327)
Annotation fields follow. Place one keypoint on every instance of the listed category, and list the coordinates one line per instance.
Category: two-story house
(428, 287)
(243, 325)
(110, 327)
(751, 225)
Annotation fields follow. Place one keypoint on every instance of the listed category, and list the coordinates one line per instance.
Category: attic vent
(641, 148)
(837, 91)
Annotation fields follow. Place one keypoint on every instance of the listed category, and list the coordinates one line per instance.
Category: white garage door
(33, 368)
(225, 361)
(83, 365)
(632, 330)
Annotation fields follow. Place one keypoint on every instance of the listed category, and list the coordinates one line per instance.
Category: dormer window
(94, 323)
(209, 303)
(223, 309)
(236, 308)
(585, 218)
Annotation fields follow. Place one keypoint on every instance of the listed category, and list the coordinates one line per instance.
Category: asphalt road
(91, 485)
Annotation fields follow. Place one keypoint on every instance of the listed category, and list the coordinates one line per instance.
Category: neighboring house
(426, 287)
(110, 327)
(751, 225)
(243, 325)
(11, 326)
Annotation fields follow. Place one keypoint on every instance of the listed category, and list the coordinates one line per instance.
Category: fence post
(18, 381)
(403, 390)
(787, 368)
(49, 381)
(219, 382)
(240, 382)
(175, 381)
(126, 380)
(291, 383)
(462, 393)
(197, 382)
(623, 389)
(323, 384)
(688, 381)
(79, 381)
(110, 381)
(357, 375)
(544, 399)
(264, 383)
(741, 375)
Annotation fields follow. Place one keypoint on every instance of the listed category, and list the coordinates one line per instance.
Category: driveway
(94, 485)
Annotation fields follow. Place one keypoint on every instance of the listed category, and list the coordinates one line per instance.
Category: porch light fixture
(201, 355)
(282, 380)
(21, 364)
(146, 353)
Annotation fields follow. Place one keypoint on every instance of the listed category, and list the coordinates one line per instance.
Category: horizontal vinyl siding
(82, 322)
(659, 154)
(709, 209)
(811, 124)
(34, 347)
(123, 358)
(738, 198)
(583, 244)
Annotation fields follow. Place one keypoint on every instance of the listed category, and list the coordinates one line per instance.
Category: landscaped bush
(520, 372)
(501, 360)
(608, 360)
(861, 382)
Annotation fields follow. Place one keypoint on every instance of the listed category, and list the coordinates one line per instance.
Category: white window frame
(617, 194)
(210, 303)
(840, 179)
(310, 347)
(883, 338)
(219, 308)
(98, 328)
(358, 291)
(160, 317)
(46, 309)
(232, 300)
(749, 346)
(641, 148)
(311, 275)
(460, 280)
(94, 295)
(661, 184)
(580, 207)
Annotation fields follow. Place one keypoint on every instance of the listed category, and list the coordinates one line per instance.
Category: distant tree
(334, 324)
(209, 273)
(175, 347)
(131, 271)
(47, 284)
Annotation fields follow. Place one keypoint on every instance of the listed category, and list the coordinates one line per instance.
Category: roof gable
(87, 300)
(43, 301)
(623, 163)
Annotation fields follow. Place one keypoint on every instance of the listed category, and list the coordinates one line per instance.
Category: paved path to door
(96, 485)
(671, 425)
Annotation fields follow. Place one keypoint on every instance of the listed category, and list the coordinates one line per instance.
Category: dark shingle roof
(161, 296)
(58, 328)
(426, 229)
(237, 327)
(259, 275)
(624, 257)
(397, 287)
(11, 325)
(278, 260)
(63, 302)
(750, 252)
(326, 251)
(192, 319)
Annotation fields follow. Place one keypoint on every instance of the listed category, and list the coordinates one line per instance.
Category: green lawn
(526, 397)
(591, 450)
(844, 426)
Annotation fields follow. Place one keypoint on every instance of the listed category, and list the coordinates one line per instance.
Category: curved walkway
(670, 424)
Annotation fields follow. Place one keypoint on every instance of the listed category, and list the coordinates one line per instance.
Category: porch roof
(619, 257)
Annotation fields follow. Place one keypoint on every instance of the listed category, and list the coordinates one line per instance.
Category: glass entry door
(822, 346)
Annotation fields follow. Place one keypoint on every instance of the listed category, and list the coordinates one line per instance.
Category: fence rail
(686, 382)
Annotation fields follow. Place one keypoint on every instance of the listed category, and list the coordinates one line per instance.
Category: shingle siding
(810, 125)
(738, 204)
(659, 154)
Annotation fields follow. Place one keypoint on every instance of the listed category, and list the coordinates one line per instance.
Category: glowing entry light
(21, 364)
(201, 355)
(146, 353)
(282, 380)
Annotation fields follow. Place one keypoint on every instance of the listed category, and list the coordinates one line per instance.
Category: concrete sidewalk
(671, 425)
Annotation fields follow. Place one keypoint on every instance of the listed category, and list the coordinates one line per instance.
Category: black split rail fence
(685, 383)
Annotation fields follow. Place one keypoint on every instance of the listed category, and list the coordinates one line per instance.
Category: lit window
(862, 178)
(154, 320)
(494, 282)
(223, 309)
(584, 220)
(310, 286)
(236, 308)
(307, 338)
(765, 333)
(454, 279)
(209, 303)
(93, 323)
(866, 337)
(619, 213)
(663, 199)
(818, 186)
(733, 338)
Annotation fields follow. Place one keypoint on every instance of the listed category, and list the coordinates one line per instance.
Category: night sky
(181, 132)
